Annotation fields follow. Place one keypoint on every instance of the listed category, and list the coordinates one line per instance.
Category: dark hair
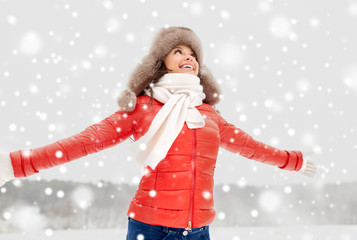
(155, 78)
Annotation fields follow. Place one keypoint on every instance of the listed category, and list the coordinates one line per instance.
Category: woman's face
(181, 59)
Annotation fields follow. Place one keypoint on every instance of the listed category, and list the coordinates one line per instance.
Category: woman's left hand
(309, 168)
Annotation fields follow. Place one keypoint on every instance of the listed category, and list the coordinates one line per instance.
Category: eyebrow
(182, 49)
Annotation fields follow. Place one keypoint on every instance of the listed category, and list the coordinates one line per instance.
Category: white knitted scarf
(180, 93)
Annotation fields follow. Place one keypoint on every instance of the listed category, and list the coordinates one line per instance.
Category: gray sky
(287, 69)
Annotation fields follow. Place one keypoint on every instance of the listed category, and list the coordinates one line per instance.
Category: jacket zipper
(193, 165)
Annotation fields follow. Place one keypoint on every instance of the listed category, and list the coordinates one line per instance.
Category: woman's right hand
(6, 170)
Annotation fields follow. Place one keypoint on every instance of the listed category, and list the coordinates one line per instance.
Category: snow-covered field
(240, 233)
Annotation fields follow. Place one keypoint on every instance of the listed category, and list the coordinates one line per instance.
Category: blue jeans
(142, 231)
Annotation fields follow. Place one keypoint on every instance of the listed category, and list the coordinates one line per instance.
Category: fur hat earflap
(210, 86)
(163, 43)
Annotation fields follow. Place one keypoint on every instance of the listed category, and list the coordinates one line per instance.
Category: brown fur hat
(164, 42)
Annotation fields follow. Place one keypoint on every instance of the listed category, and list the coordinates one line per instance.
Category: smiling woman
(182, 59)
(178, 134)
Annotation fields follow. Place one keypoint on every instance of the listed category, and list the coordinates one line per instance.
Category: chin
(192, 73)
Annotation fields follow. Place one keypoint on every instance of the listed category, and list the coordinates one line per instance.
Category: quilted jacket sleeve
(107, 133)
(237, 141)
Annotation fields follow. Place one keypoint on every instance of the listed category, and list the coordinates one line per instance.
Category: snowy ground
(240, 233)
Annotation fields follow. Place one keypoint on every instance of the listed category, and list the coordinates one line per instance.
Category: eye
(194, 55)
(178, 50)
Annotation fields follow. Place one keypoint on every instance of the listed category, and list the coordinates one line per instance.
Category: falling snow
(288, 75)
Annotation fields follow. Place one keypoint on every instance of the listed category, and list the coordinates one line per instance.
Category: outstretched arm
(107, 133)
(237, 141)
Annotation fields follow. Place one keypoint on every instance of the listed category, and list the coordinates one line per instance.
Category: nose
(189, 57)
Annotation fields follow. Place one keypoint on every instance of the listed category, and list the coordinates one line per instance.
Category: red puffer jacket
(179, 191)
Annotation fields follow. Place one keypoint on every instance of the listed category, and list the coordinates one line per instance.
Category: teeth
(186, 66)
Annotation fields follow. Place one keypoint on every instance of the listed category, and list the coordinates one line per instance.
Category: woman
(168, 110)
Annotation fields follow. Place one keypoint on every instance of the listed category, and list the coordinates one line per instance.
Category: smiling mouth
(186, 66)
